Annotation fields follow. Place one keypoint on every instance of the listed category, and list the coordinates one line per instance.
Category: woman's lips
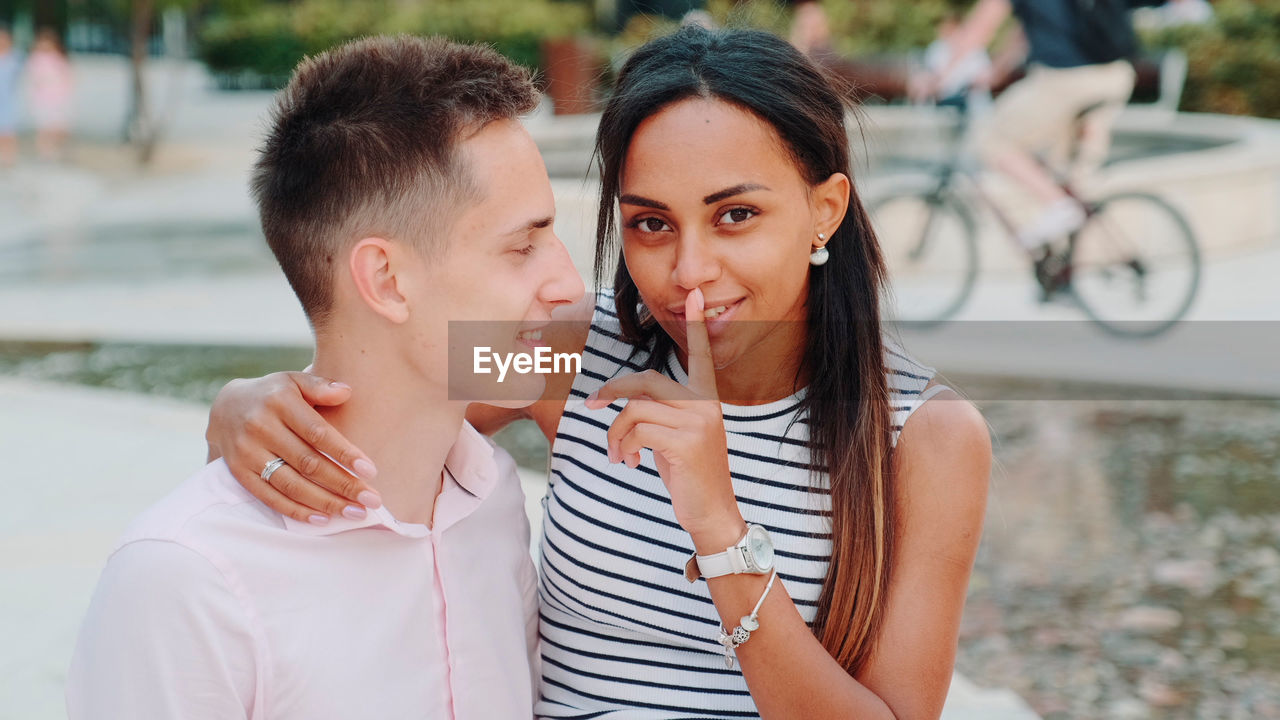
(718, 319)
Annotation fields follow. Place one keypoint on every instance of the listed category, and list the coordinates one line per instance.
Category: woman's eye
(526, 250)
(649, 224)
(737, 215)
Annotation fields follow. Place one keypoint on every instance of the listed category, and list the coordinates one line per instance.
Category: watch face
(760, 547)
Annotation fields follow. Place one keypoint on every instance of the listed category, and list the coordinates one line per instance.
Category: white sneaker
(1058, 219)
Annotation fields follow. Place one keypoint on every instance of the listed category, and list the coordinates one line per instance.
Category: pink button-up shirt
(214, 606)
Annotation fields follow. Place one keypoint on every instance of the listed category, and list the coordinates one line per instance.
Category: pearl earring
(820, 255)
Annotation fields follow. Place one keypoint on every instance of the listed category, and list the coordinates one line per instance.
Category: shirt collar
(374, 518)
(471, 464)
(471, 461)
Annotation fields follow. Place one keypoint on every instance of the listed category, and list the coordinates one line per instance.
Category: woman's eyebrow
(714, 197)
(642, 202)
(730, 192)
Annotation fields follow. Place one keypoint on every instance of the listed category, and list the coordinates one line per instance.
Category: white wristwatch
(753, 554)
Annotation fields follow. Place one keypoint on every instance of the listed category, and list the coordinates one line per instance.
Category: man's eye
(737, 215)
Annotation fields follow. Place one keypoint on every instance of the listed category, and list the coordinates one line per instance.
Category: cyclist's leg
(1043, 113)
(1026, 119)
(1029, 118)
(1114, 85)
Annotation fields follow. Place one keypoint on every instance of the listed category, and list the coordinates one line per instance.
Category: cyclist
(1078, 52)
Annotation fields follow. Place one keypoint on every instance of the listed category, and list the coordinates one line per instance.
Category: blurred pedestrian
(969, 77)
(10, 66)
(810, 30)
(50, 85)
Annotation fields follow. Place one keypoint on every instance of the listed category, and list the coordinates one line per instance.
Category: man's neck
(397, 421)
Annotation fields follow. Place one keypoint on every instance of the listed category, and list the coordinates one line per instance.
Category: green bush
(1233, 63)
(270, 40)
(858, 27)
(769, 15)
(870, 27)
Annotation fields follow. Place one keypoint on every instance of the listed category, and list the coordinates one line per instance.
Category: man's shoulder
(206, 504)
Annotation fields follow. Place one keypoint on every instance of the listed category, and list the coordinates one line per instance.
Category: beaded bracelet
(749, 623)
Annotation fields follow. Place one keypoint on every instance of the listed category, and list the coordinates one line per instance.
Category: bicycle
(1133, 267)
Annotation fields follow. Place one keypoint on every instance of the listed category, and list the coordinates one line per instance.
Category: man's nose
(563, 284)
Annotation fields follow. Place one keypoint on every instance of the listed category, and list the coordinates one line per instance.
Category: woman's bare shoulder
(944, 455)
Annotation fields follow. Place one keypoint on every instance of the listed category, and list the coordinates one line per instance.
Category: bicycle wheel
(930, 249)
(1135, 265)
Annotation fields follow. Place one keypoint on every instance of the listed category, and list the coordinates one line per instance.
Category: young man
(399, 192)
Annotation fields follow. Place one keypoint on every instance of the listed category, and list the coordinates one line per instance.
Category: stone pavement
(82, 463)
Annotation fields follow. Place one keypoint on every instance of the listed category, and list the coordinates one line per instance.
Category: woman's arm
(941, 468)
(942, 464)
(254, 421)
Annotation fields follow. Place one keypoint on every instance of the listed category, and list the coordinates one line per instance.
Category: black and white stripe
(624, 635)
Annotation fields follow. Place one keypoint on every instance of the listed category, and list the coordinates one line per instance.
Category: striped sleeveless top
(624, 635)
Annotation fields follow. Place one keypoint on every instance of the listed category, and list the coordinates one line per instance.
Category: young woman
(741, 344)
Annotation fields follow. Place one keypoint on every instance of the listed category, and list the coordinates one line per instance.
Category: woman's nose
(696, 264)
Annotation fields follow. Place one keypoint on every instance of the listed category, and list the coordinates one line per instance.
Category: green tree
(1233, 62)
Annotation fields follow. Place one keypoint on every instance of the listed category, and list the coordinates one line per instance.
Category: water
(129, 253)
(194, 373)
(1130, 556)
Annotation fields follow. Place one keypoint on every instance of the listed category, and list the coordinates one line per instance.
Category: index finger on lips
(702, 368)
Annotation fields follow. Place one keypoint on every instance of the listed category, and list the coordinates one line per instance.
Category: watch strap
(732, 561)
(729, 562)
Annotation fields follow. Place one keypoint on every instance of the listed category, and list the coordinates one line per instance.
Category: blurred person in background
(810, 30)
(10, 67)
(968, 81)
(1079, 53)
(50, 86)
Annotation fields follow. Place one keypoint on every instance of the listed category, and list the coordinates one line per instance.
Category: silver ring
(271, 467)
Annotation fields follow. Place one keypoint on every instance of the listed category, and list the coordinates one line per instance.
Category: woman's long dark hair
(847, 401)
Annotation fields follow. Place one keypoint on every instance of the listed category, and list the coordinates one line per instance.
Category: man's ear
(830, 201)
(374, 264)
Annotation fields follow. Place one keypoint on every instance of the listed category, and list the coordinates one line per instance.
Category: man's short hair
(364, 142)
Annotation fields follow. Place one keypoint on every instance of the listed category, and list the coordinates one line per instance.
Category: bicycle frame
(1052, 276)
(1055, 267)
(954, 165)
